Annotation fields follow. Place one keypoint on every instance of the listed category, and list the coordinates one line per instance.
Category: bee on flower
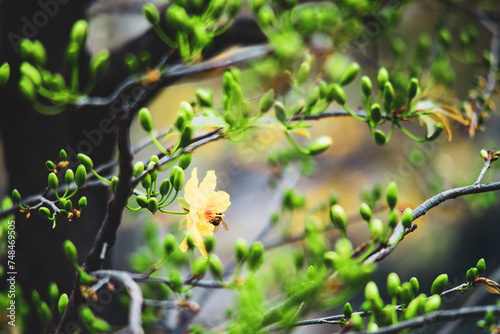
(204, 209)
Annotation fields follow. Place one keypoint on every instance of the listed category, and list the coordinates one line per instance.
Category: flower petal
(207, 186)
(184, 245)
(220, 201)
(182, 223)
(191, 187)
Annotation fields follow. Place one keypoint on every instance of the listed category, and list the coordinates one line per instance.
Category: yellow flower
(203, 204)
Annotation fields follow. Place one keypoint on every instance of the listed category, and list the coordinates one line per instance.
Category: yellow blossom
(203, 204)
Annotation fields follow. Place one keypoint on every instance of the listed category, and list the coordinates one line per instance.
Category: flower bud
(63, 302)
(445, 37)
(32, 73)
(329, 259)
(80, 176)
(388, 94)
(153, 205)
(376, 229)
(175, 280)
(338, 94)
(320, 145)
(266, 17)
(240, 250)
(79, 33)
(53, 291)
(481, 266)
(142, 201)
(412, 88)
(53, 182)
(99, 64)
(210, 244)
(391, 195)
(200, 267)
(50, 165)
(484, 154)
(350, 74)
(227, 83)
(357, 322)
(382, 78)
(178, 178)
(372, 327)
(406, 293)
(69, 176)
(471, 275)
(393, 283)
(72, 53)
(439, 284)
(146, 120)
(347, 310)
(146, 181)
(375, 113)
(44, 212)
(215, 266)
(343, 247)
(68, 205)
(45, 312)
(16, 196)
(437, 132)
(255, 256)
(266, 102)
(169, 244)
(185, 160)
(154, 171)
(86, 161)
(366, 85)
(82, 202)
(164, 187)
(138, 168)
(393, 219)
(186, 136)
(114, 183)
(151, 13)
(365, 211)
(303, 73)
(433, 303)
(204, 97)
(4, 74)
(414, 284)
(379, 137)
(338, 217)
(70, 251)
(407, 218)
(280, 111)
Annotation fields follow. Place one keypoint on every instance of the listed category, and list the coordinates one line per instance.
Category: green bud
(343, 247)
(280, 111)
(86, 161)
(101, 325)
(255, 256)
(266, 102)
(169, 244)
(437, 132)
(372, 327)
(185, 160)
(393, 283)
(215, 266)
(320, 145)
(388, 93)
(142, 201)
(210, 244)
(407, 218)
(44, 212)
(82, 202)
(154, 171)
(4, 74)
(338, 94)
(63, 302)
(393, 219)
(80, 176)
(151, 13)
(481, 266)
(412, 88)
(357, 322)
(70, 251)
(178, 179)
(72, 53)
(471, 274)
(365, 211)
(99, 64)
(138, 168)
(376, 229)
(153, 205)
(63, 155)
(16, 196)
(146, 120)
(68, 205)
(350, 74)
(391, 195)
(439, 284)
(407, 293)
(240, 250)
(146, 181)
(53, 182)
(114, 183)
(227, 83)
(131, 63)
(69, 176)
(50, 165)
(204, 97)
(311, 273)
(398, 46)
(433, 303)
(489, 317)
(414, 284)
(186, 136)
(379, 137)
(79, 33)
(200, 267)
(175, 280)
(190, 242)
(412, 309)
(375, 113)
(366, 85)
(32, 73)
(165, 187)
(53, 291)
(233, 7)
(445, 37)
(338, 217)
(45, 312)
(329, 259)
(155, 159)
(303, 73)
(347, 310)
(266, 17)
(382, 78)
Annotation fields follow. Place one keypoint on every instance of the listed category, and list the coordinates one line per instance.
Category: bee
(217, 220)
